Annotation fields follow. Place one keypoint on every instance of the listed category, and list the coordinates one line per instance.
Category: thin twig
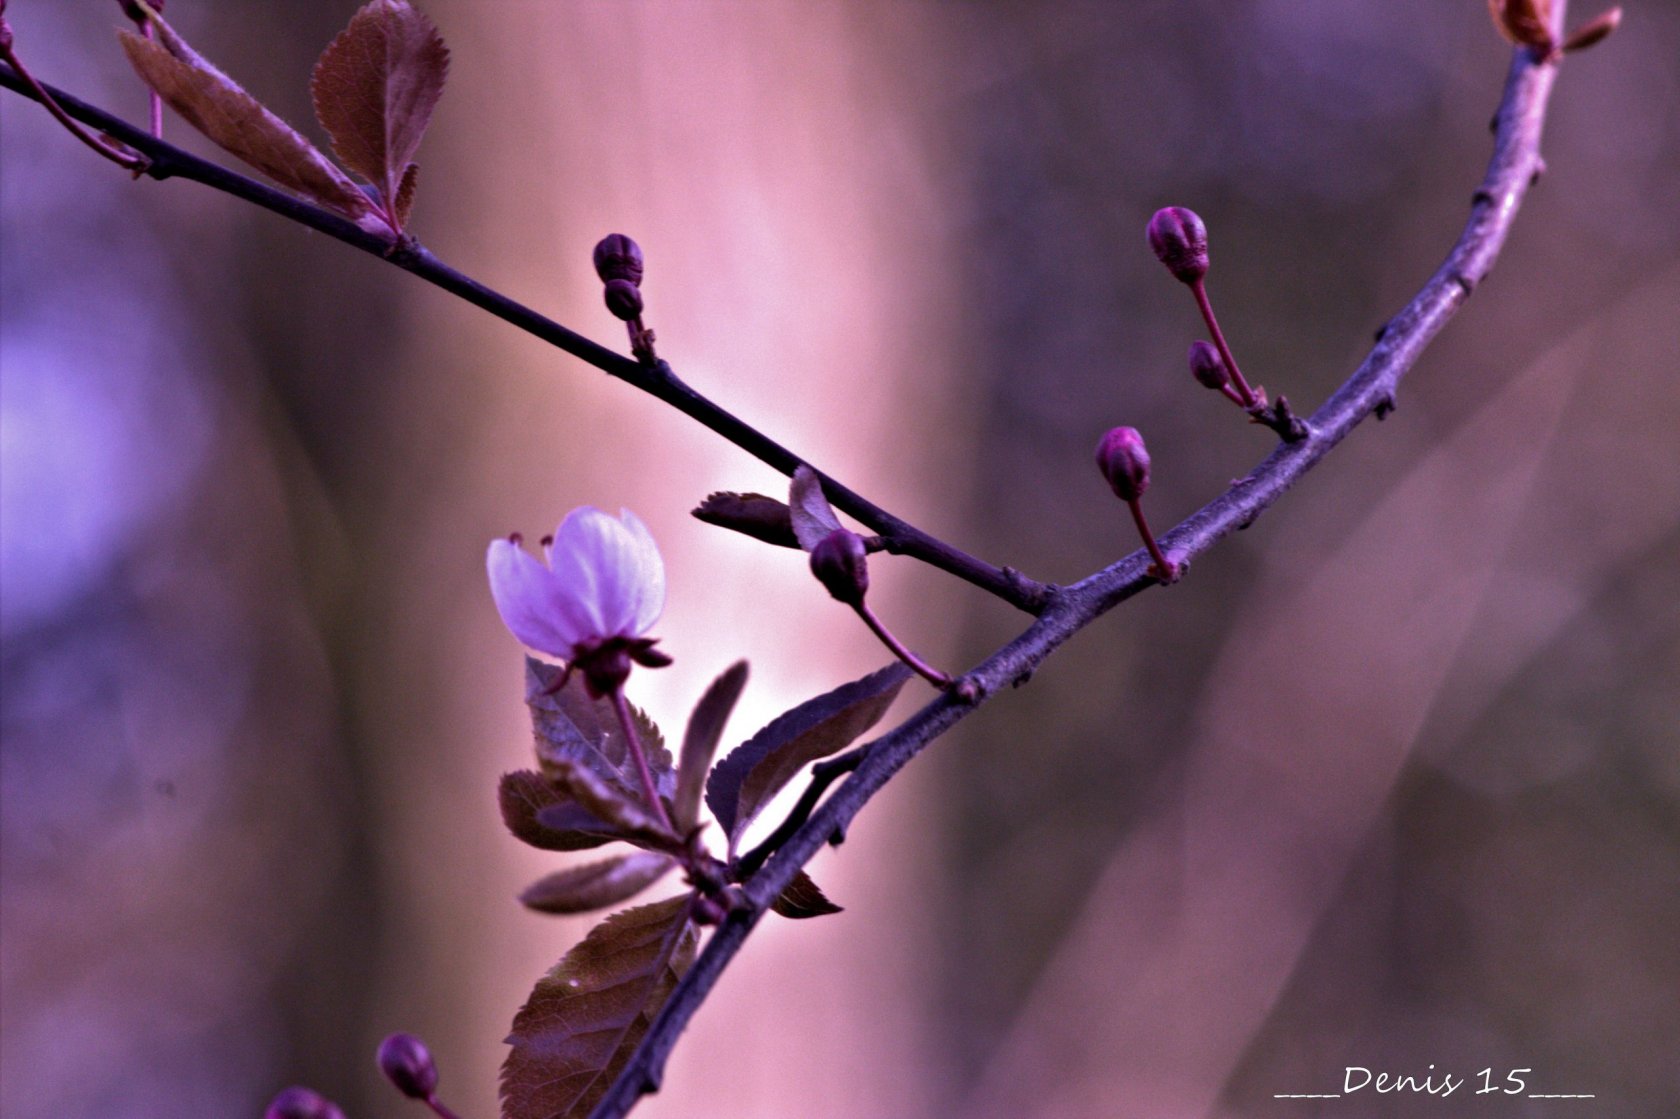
(899, 536)
(823, 774)
(1516, 158)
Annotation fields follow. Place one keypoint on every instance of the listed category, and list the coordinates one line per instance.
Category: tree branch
(658, 380)
(1514, 167)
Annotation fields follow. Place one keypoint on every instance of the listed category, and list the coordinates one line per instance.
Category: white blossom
(601, 580)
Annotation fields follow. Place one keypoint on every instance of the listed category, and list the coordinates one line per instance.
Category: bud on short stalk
(1124, 462)
(839, 561)
(408, 1064)
(618, 261)
(1179, 239)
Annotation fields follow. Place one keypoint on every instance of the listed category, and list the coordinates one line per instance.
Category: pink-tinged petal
(582, 559)
(534, 604)
(649, 597)
(619, 576)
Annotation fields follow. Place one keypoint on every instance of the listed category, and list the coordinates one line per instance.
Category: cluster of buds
(1180, 241)
(618, 261)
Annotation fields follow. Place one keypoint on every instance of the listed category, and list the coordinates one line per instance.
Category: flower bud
(407, 1063)
(1207, 366)
(302, 1103)
(624, 299)
(838, 561)
(1180, 239)
(1124, 461)
(618, 258)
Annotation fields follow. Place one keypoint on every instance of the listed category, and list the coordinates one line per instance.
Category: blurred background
(1391, 781)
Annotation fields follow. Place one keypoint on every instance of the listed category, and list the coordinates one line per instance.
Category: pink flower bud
(839, 562)
(1124, 461)
(407, 1063)
(624, 299)
(617, 257)
(1207, 366)
(1180, 239)
(302, 1103)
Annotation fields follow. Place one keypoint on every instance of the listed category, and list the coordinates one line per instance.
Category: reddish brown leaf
(540, 813)
(754, 514)
(569, 724)
(405, 194)
(627, 817)
(214, 104)
(585, 1018)
(802, 899)
(813, 518)
(579, 889)
(375, 87)
(1595, 30)
(743, 783)
(700, 742)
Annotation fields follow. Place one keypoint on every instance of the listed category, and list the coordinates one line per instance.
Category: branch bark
(659, 380)
(1514, 167)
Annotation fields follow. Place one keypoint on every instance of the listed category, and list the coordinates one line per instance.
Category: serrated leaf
(585, 1017)
(563, 825)
(571, 725)
(752, 514)
(239, 124)
(700, 740)
(405, 194)
(813, 518)
(579, 889)
(625, 815)
(375, 87)
(802, 899)
(743, 783)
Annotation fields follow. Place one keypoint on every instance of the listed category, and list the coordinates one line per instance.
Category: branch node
(1282, 419)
